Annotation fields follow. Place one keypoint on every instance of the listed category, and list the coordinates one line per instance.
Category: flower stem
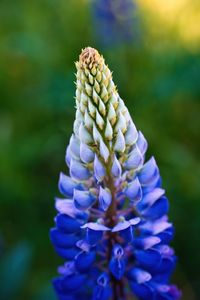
(111, 217)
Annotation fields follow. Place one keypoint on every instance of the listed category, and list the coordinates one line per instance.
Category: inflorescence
(112, 227)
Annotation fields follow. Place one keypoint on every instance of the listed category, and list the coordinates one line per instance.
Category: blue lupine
(112, 228)
(115, 21)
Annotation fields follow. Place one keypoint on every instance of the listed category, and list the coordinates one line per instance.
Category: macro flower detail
(112, 228)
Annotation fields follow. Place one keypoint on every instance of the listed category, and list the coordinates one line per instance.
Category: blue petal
(94, 232)
(68, 156)
(104, 152)
(131, 134)
(73, 282)
(125, 229)
(146, 242)
(99, 170)
(154, 183)
(116, 169)
(167, 235)
(67, 253)
(66, 185)
(74, 144)
(83, 199)
(155, 227)
(134, 160)
(95, 226)
(142, 291)
(102, 291)
(67, 224)
(158, 209)
(139, 275)
(125, 224)
(67, 269)
(166, 292)
(105, 198)
(134, 191)
(151, 197)
(86, 154)
(142, 143)
(167, 265)
(94, 237)
(117, 267)
(117, 262)
(150, 258)
(61, 239)
(57, 284)
(120, 142)
(148, 171)
(66, 206)
(127, 234)
(78, 171)
(84, 261)
(84, 134)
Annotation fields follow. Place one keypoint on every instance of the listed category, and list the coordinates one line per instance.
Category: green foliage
(159, 81)
(14, 269)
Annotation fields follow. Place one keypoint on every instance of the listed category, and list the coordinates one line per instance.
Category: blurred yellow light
(175, 17)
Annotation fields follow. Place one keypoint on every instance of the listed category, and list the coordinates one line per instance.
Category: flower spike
(112, 228)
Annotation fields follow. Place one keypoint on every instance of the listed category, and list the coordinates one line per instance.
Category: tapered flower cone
(112, 227)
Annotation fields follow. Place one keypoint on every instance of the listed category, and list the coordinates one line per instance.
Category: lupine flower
(114, 20)
(112, 228)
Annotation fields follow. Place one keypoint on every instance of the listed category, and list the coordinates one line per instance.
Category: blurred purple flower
(115, 21)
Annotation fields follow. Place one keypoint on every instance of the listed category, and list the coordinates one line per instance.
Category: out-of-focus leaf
(46, 293)
(14, 269)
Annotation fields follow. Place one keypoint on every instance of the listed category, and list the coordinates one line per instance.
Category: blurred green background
(153, 48)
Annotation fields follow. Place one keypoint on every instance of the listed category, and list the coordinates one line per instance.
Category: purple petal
(117, 263)
(66, 206)
(134, 221)
(125, 224)
(155, 182)
(104, 152)
(150, 198)
(142, 143)
(134, 191)
(74, 145)
(84, 135)
(86, 154)
(157, 226)
(134, 160)
(66, 185)
(68, 156)
(159, 208)
(84, 261)
(103, 280)
(139, 275)
(99, 170)
(105, 198)
(95, 226)
(83, 199)
(78, 171)
(120, 142)
(116, 168)
(131, 134)
(146, 242)
(121, 226)
(67, 269)
(83, 245)
(148, 171)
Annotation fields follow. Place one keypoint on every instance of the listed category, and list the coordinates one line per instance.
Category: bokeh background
(153, 48)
